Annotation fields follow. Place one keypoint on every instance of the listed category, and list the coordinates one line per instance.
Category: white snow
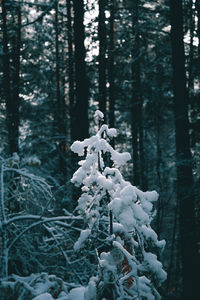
(128, 194)
(132, 212)
(98, 114)
(91, 291)
(110, 132)
(144, 285)
(76, 293)
(82, 239)
(149, 233)
(45, 296)
(83, 201)
(155, 266)
(151, 196)
(105, 183)
(78, 147)
(78, 176)
(120, 159)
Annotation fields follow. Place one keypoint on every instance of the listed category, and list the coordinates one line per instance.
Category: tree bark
(137, 133)
(198, 35)
(70, 61)
(111, 68)
(16, 81)
(4, 238)
(185, 184)
(60, 105)
(102, 58)
(11, 87)
(190, 80)
(80, 107)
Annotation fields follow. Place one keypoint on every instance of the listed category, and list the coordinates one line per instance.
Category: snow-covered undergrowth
(39, 287)
(116, 235)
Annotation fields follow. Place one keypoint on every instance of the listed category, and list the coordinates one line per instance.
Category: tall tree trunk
(111, 68)
(80, 108)
(190, 81)
(70, 61)
(16, 81)
(60, 106)
(11, 93)
(137, 134)
(143, 179)
(102, 57)
(197, 4)
(198, 35)
(4, 234)
(185, 184)
(79, 115)
(58, 96)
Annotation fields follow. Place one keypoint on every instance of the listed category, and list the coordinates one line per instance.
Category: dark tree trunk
(102, 57)
(80, 107)
(143, 180)
(79, 113)
(16, 81)
(111, 68)
(60, 106)
(190, 81)
(185, 184)
(158, 119)
(70, 64)
(137, 133)
(11, 88)
(198, 35)
(198, 27)
(58, 96)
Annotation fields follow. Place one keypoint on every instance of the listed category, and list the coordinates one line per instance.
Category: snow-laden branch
(35, 217)
(56, 220)
(129, 261)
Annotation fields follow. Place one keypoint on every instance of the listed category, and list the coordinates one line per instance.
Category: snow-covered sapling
(128, 270)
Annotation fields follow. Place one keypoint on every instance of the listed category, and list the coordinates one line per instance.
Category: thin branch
(39, 18)
(46, 220)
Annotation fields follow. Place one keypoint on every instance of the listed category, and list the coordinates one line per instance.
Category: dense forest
(99, 114)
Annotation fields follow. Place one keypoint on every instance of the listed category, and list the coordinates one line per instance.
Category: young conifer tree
(119, 211)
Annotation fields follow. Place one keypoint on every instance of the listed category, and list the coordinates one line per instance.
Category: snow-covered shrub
(34, 287)
(32, 237)
(117, 223)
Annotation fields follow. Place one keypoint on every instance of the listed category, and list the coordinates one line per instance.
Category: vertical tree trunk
(102, 57)
(60, 106)
(143, 180)
(4, 254)
(158, 171)
(191, 51)
(80, 108)
(58, 96)
(197, 5)
(136, 98)
(198, 27)
(79, 113)
(16, 81)
(70, 62)
(11, 92)
(111, 68)
(185, 185)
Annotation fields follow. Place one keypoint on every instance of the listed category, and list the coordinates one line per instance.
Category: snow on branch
(129, 267)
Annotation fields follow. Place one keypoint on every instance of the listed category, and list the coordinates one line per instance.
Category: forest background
(139, 63)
